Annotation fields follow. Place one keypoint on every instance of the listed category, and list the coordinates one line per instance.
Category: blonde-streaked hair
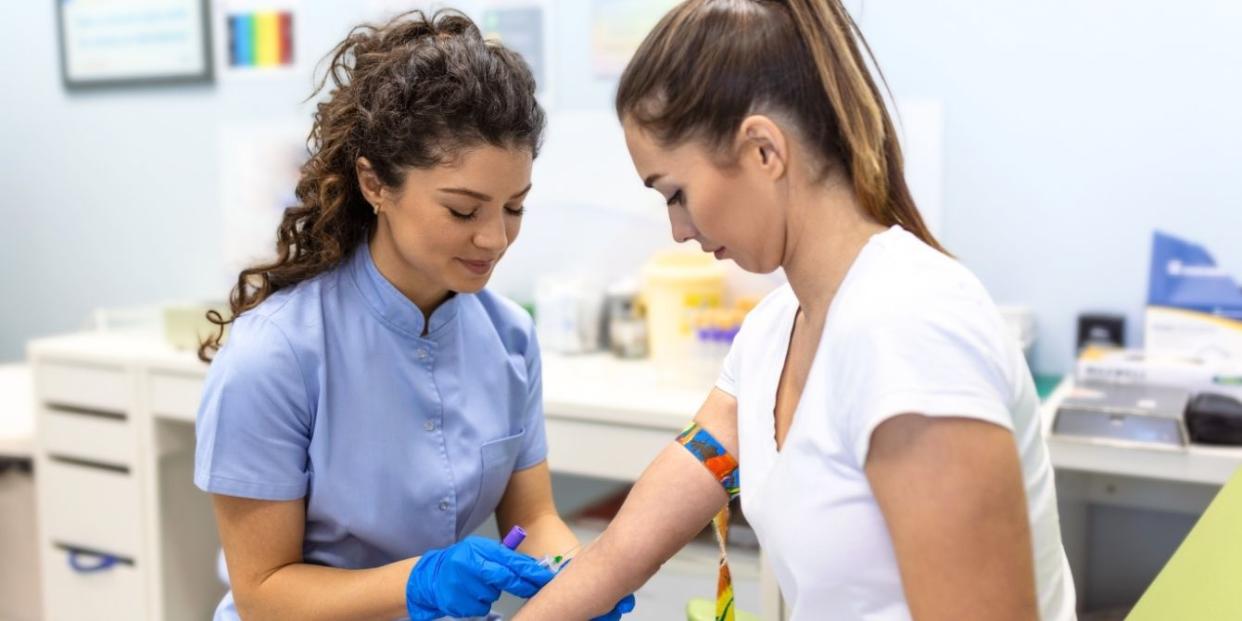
(708, 64)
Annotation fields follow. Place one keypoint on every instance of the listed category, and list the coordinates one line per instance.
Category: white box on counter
(1132, 366)
(1192, 334)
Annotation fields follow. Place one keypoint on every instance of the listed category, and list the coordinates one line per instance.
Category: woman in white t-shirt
(885, 423)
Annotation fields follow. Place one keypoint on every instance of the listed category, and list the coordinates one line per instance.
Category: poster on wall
(617, 29)
(523, 26)
(124, 42)
(257, 37)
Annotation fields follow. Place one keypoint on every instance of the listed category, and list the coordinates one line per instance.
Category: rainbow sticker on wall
(261, 39)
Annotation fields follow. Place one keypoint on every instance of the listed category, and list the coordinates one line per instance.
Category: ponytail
(710, 63)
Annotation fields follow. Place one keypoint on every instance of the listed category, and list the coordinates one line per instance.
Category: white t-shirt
(909, 331)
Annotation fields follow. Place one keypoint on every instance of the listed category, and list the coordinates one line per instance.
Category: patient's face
(729, 209)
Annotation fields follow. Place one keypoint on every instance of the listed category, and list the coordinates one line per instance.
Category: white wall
(109, 199)
(1072, 129)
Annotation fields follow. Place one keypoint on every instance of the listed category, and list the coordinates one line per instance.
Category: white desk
(1207, 465)
(1177, 481)
(116, 422)
(609, 418)
(127, 403)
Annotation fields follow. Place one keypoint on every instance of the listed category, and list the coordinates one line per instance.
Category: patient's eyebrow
(481, 196)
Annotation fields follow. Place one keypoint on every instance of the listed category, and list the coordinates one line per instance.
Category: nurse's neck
(827, 229)
(412, 283)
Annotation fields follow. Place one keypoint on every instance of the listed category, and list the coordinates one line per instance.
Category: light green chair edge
(700, 609)
(1203, 579)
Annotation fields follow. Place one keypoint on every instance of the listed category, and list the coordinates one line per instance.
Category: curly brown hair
(411, 93)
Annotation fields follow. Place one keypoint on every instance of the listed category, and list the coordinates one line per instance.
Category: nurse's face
(731, 210)
(450, 224)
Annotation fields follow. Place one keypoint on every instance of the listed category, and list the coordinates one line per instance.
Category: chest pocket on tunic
(499, 457)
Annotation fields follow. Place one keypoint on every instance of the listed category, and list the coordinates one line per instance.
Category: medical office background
(1047, 142)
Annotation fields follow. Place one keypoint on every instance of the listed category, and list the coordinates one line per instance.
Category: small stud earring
(376, 208)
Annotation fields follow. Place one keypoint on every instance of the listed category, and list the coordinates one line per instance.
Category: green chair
(1203, 580)
(705, 610)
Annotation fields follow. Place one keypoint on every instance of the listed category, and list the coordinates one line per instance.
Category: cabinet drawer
(175, 396)
(90, 506)
(86, 434)
(83, 584)
(84, 386)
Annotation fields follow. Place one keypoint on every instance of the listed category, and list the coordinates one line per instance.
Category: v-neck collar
(773, 387)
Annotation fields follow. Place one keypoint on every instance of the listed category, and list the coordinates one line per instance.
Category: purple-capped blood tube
(515, 537)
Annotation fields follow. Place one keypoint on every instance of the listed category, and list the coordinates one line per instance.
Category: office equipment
(1128, 414)
(1215, 419)
(1101, 329)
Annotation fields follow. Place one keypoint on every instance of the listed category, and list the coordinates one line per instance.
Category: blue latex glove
(466, 578)
(625, 605)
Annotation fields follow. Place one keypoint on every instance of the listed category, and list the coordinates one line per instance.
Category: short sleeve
(939, 359)
(254, 423)
(727, 381)
(535, 444)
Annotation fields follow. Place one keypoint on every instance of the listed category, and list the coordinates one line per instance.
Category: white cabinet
(175, 395)
(122, 531)
(88, 435)
(85, 506)
(85, 385)
(88, 585)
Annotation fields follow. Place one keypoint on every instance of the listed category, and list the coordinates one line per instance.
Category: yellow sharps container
(676, 286)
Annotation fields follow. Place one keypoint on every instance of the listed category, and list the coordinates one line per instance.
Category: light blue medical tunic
(399, 442)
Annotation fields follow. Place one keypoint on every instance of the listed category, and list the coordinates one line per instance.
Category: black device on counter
(1214, 419)
(1101, 329)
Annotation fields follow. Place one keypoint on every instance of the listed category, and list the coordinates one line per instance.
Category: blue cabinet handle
(102, 562)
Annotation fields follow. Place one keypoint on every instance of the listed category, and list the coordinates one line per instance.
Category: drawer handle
(102, 562)
(72, 410)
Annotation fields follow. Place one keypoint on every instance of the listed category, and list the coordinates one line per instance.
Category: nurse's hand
(625, 605)
(464, 579)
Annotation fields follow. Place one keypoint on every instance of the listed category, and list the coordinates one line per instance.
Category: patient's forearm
(671, 503)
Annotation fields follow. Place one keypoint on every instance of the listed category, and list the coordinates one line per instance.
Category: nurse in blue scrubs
(374, 404)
